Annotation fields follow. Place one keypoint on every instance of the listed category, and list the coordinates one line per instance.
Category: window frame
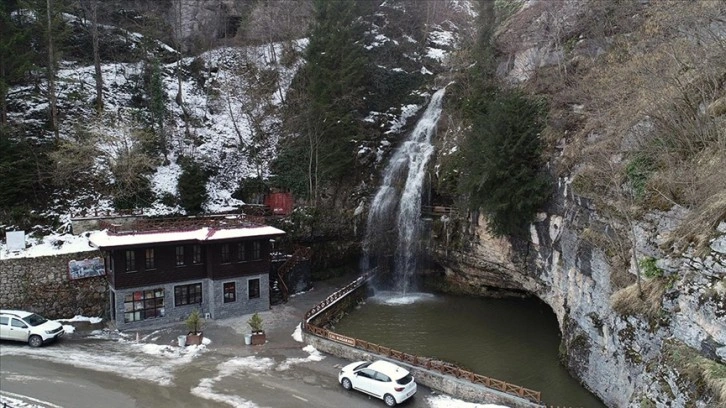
(179, 256)
(185, 296)
(225, 255)
(256, 250)
(227, 295)
(250, 283)
(147, 301)
(241, 252)
(130, 260)
(150, 261)
(197, 254)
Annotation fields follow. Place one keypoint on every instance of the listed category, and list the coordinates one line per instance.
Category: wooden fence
(423, 362)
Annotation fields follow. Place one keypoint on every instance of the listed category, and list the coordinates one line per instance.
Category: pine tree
(502, 163)
(336, 74)
(15, 58)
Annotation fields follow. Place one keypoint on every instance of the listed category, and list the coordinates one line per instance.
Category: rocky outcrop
(643, 321)
(621, 357)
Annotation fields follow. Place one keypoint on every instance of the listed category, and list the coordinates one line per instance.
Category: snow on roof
(105, 238)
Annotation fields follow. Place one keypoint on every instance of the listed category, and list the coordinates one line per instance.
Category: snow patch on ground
(314, 355)
(297, 334)
(55, 244)
(205, 389)
(443, 401)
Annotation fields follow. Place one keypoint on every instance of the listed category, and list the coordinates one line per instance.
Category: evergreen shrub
(192, 186)
(502, 166)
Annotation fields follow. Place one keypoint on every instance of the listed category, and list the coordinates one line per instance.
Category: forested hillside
(171, 108)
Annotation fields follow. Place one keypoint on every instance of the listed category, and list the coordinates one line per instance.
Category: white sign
(16, 240)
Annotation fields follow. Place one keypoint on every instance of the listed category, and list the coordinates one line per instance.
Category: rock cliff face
(623, 359)
(651, 342)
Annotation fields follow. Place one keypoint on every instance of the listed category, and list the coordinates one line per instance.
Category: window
(150, 259)
(197, 254)
(225, 253)
(256, 253)
(4, 320)
(230, 294)
(241, 255)
(367, 373)
(179, 255)
(188, 294)
(18, 323)
(253, 288)
(130, 261)
(144, 304)
(382, 377)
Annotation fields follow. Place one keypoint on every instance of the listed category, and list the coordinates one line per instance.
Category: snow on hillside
(214, 124)
(217, 128)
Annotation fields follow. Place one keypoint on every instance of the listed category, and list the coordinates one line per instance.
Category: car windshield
(35, 320)
(405, 380)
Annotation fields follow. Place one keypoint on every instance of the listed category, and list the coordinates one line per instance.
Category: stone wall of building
(42, 285)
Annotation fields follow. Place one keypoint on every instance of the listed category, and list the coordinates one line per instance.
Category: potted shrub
(194, 324)
(258, 334)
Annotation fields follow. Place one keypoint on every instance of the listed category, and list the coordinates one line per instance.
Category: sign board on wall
(16, 240)
(86, 268)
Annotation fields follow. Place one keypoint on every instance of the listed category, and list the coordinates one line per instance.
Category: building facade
(160, 273)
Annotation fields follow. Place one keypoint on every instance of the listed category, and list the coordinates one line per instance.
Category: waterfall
(394, 218)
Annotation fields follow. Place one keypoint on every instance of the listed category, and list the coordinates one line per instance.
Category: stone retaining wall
(42, 285)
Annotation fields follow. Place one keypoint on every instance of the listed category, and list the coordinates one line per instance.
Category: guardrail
(423, 362)
(439, 210)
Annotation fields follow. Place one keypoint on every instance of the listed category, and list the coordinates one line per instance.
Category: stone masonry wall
(42, 285)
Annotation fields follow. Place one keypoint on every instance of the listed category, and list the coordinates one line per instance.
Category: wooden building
(160, 270)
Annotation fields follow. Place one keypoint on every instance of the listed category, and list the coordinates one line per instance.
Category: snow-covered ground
(54, 244)
(143, 360)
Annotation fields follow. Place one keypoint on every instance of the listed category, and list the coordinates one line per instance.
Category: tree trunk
(3, 97)
(96, 56)
(51, 77)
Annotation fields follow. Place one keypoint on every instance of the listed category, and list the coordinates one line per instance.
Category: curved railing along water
(427, 363)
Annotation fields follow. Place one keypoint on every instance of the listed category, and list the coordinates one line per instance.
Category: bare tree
(90, 7)
(52, 98)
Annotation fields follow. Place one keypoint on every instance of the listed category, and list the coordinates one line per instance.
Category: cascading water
(395, 211)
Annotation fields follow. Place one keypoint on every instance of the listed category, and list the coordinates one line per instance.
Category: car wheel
(346, 384)
(35, 341)
(389, 400)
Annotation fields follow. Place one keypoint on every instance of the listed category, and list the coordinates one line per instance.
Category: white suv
(28, 327)
(381, 379)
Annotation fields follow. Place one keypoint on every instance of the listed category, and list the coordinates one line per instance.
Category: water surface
(514, 340)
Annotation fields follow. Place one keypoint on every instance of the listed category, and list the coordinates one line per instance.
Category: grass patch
(706, 374)
(628, 302)
(649, 269)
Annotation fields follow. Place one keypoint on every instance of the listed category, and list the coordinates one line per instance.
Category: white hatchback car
(28, 327)
(381, 379)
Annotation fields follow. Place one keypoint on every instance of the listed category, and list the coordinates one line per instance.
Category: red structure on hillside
(279, 203)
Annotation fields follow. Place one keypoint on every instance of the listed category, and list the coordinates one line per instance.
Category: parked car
(19, 325)
(381, 379)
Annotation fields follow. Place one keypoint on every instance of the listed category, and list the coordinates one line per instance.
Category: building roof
(190, 229)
